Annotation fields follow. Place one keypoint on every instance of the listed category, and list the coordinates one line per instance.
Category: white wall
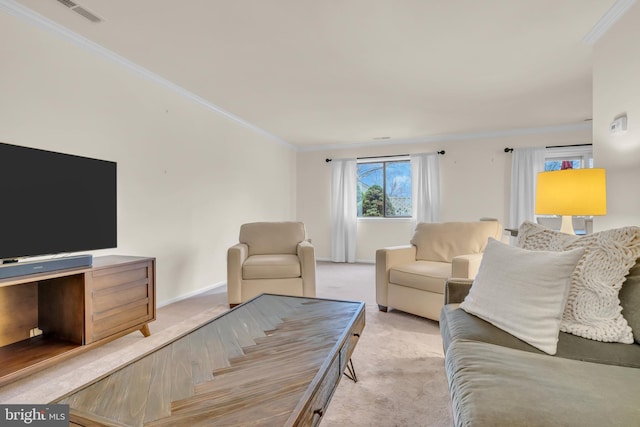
(474, 177)
(475, 173)
(616, 90)
(187, 177)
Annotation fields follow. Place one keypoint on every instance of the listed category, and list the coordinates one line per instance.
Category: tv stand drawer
(122, 296)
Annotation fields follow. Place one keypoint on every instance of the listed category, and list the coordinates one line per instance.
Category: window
(384, 189)
(559, 158)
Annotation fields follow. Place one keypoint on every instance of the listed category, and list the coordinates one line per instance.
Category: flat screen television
(54, 203)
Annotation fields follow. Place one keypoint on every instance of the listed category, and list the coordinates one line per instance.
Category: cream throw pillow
(593, 309)
(523, 292)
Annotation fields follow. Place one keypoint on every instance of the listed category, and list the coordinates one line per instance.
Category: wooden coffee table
(274, 360)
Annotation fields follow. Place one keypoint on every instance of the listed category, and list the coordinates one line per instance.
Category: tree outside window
(384, 189)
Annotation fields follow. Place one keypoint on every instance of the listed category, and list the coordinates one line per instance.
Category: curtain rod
(441, 152)
(509, 150)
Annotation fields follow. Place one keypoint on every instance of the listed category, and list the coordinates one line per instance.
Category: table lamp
(571, 192)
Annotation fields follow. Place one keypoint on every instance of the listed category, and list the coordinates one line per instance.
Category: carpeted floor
(398, 360)
(401, 380)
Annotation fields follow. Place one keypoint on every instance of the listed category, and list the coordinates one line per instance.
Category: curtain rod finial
(508, 150)
(441, 152)
(327, 160)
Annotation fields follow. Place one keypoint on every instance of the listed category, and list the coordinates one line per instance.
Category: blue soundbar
(46, 265)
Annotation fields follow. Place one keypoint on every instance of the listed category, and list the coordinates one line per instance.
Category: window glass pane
(384, 189)
(561, 164)
(370, 195)
(398, 189)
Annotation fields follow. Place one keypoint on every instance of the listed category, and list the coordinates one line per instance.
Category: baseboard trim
(191, 294)
(224, 283)
(358, 261)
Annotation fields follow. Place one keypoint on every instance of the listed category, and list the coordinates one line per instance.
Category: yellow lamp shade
(572, 192)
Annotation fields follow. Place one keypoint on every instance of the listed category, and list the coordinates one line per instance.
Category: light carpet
(401, 379)
(398, 360)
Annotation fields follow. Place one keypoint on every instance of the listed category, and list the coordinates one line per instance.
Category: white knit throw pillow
(593, 309)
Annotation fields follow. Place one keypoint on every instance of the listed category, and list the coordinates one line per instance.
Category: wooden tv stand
(48, 317)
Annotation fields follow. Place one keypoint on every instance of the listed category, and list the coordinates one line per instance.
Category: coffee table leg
(352, 372)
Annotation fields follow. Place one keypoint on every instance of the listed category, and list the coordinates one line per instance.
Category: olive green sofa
(497, 380)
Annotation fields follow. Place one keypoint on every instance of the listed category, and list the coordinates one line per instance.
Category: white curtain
(525, 165)
(343, 210)
(425, 181)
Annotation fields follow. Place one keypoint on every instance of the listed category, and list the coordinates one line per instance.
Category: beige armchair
(272, 257)
(412, 278)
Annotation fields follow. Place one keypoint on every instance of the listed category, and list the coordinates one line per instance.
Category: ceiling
(327, 73)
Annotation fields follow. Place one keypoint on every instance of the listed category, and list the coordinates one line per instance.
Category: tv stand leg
(145, 330)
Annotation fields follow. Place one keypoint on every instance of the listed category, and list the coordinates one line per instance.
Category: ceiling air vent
(80, 10)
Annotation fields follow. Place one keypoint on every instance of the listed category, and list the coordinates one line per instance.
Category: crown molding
(607, 20)
(455, 137)
(22, 12)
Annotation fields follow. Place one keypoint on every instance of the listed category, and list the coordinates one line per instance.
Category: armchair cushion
(264, 238)
(423, 275)
(271, 267)
(444, 241)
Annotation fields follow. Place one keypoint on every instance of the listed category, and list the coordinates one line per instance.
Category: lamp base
(567, 224)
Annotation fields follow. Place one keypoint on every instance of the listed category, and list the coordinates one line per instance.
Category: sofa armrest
(386, 258)
(236, 256)
(307, 256)
(456, 289)
(466, 266)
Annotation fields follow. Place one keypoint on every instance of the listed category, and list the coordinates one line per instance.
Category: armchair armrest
(387, 258)
(236, 256)
(466, 266)
(456, 289)
(307, 255)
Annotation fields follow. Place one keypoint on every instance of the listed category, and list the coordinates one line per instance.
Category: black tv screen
(55, 203)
